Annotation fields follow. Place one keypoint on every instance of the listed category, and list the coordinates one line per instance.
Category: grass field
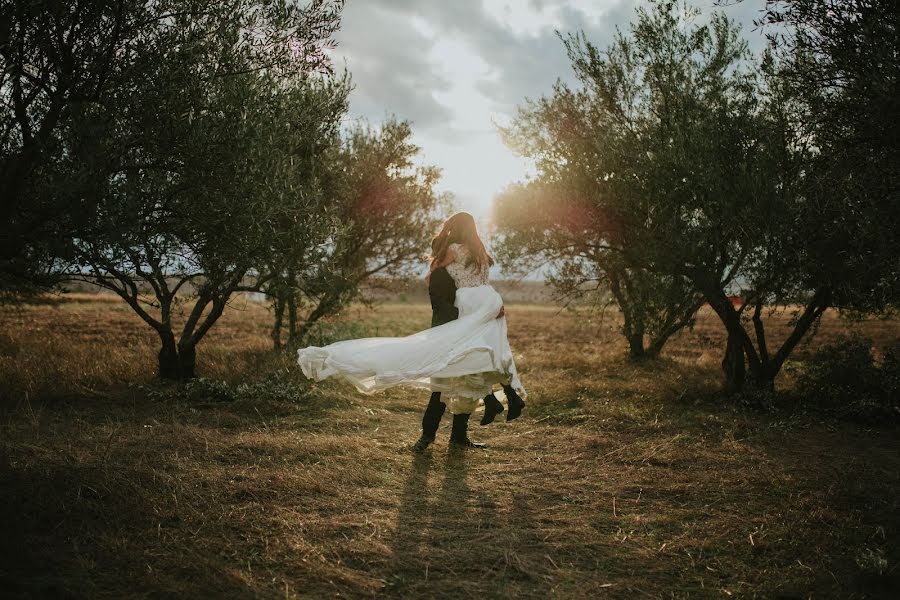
(620, 480)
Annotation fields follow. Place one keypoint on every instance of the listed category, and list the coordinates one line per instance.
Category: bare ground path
(619, 481)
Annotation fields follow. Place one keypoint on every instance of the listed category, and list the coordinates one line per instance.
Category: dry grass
(620, 480)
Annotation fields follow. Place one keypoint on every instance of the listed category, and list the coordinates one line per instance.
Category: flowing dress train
(462, 358)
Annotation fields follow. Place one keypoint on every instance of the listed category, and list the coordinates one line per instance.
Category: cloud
(456, 68)
(387, 58)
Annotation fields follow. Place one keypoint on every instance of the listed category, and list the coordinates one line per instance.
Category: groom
(442, 291)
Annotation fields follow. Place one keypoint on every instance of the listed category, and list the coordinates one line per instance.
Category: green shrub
(279, 387)
(203, 389)
(845, 378)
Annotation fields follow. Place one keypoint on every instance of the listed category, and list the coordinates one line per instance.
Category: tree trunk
(763, 377)
(733, 364)
(736, 351)
(169, 365)
(187, 358)
(764, 372)
(636, 346)
(635, 335)
(324, 307)
(763, 367)
(276, 326)
(293, 337)
(655, 347)
(632, 319)
(177, 362)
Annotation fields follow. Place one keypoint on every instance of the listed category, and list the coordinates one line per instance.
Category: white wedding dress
(461, 359)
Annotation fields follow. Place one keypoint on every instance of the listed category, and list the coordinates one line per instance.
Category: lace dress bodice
(463, 275)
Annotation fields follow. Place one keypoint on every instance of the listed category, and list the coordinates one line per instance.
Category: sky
(458, 69)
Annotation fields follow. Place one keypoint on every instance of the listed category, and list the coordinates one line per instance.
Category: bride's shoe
(516, 404)
(458, 438)
(492, 408)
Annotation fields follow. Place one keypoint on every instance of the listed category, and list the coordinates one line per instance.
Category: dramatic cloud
(388, 58)
(457, 69)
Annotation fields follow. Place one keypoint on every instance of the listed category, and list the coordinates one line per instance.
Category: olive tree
(691, 166)
(830, 239)
(56, 59)
(838, 72)
(707, 180)
(200, 176)
(578, 215)
(384, 208)
(541, 225)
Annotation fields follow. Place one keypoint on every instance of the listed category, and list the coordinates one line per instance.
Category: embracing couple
(459, 358)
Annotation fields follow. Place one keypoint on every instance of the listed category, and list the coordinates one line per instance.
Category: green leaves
(384, 210)
(685, 168)
(838, 75)
(198, 149)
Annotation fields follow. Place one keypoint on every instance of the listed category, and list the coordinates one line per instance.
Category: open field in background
(391, 290)
(514, 291)
(620, 480)
(78, 342)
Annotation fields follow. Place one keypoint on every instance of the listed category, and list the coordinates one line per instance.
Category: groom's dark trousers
(442, 291)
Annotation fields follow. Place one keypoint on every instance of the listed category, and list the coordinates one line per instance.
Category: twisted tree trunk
(177, 361)
(742, 355)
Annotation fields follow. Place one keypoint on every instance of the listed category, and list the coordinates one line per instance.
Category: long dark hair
(459, 229)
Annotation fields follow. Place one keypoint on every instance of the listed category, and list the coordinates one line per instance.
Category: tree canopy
(675, 159)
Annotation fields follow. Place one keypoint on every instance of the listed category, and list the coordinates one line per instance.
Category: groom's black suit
(442, 291)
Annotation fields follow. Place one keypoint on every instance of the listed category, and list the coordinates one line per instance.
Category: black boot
(430, 422)
(516, 404)
(458, 437)
(492, 408)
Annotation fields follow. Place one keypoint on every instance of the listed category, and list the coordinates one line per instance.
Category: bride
(461, 358)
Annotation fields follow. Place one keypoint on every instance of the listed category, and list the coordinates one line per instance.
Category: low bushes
(850, 378)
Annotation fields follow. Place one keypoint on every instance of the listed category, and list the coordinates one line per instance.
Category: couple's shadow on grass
(448, 536)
